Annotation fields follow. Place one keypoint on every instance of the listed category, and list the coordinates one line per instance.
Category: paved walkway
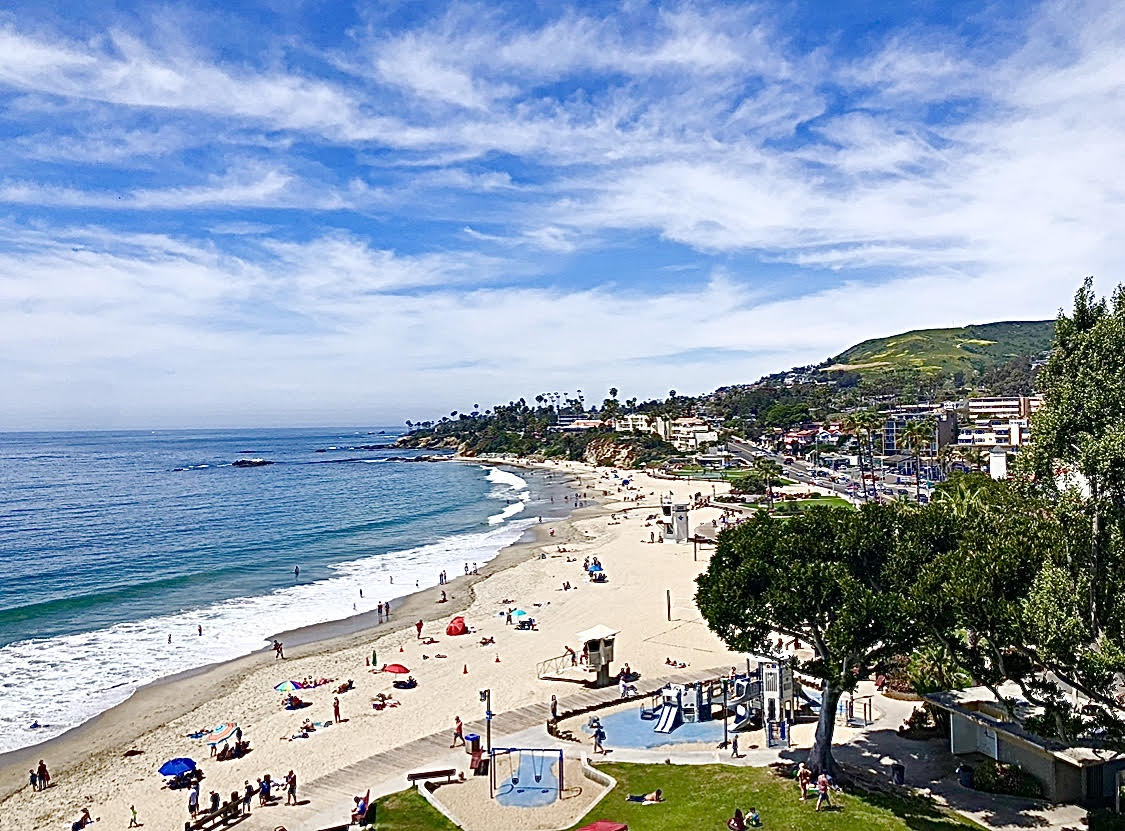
(929, 765)
(327, 801)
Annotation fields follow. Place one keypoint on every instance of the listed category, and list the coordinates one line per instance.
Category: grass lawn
(705, 796)
(407, 811)
(823, 501)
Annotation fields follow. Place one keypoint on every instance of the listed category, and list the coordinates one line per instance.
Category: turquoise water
(110, 543)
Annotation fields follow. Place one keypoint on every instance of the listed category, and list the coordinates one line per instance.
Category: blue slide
(670, 718)
(743, 718)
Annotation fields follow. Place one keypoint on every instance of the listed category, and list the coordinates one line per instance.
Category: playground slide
(743, 721)
(670, 718)
(812, 698)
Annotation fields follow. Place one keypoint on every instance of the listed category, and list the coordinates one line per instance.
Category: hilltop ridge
(969, 350)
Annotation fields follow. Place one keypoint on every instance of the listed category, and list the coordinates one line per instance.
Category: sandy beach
(90, 768)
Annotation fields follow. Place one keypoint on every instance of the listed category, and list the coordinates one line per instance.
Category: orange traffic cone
(400, 649)
(465, 671)
(497, 659)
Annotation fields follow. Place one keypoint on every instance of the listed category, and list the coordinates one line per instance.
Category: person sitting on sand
(648, 798)
(487, 641)
(82, 821)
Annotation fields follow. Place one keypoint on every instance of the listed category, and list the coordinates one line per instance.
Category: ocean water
(112, 543)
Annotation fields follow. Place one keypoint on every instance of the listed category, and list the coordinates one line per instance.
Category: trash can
(472, 742)
(965, 775)
(898, 774)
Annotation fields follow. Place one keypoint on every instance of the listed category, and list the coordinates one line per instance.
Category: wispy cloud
(423, 189)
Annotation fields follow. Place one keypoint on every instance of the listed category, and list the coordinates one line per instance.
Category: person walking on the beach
(193, 800)
(291, 785)
(133, 818)
(418, 626)
(734, 747)
(201, 630)
(44, 776)
(336, 709)
(247, 797)
(279, 649)
(33, 778)
(458, 732)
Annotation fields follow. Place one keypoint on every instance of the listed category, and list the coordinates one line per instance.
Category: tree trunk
(820, 756)
(917, 477)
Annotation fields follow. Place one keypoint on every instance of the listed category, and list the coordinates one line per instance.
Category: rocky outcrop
(251, 463)
(610, 453)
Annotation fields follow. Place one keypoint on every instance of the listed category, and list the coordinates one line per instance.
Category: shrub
(1002, 778)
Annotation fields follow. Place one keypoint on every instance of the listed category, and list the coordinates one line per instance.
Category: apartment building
(1003, 408)
(1012, 432)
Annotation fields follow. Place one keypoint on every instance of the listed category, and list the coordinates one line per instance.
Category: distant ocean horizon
(112, 542)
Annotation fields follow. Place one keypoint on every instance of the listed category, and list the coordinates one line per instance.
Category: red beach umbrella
(397, 669)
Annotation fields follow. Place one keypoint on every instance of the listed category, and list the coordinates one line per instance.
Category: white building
(690, 433)
(1014, 432)
(1003, 408)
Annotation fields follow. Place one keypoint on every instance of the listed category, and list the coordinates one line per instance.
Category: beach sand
(90, 769)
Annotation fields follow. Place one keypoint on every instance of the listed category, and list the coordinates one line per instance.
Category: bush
(1001, 778)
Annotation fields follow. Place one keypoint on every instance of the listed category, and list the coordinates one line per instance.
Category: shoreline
(149, 707)
(111, 761)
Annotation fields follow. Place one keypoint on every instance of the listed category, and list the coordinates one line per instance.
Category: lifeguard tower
(598, 647)
(674, 520)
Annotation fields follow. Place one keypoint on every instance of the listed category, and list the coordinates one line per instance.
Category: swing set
(524, 775)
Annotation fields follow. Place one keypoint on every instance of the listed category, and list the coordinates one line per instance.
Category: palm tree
(872, 422)
(768, 468)
(851, 424)
(918, 434)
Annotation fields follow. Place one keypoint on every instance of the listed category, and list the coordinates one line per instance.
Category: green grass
(969, 349)
(822, 502)
(705, 796)
(408, 811)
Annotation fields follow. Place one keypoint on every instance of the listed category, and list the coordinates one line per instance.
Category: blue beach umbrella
(288, 686)
(595, 567)
(519, 613)
(176, 767)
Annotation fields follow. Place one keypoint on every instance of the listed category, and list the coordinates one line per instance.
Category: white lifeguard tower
(597, 643)
(674, 520)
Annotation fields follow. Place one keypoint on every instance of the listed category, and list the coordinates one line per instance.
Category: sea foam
(63, 681)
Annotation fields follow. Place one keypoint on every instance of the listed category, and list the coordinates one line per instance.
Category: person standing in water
(296, 572)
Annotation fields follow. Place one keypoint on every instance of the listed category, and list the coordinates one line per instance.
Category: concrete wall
(962, 734)
(1061, 782)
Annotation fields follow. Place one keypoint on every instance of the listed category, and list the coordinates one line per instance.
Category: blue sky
(319, 213)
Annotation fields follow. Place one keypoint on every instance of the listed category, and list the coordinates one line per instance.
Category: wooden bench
(425, 775)
(227, 812)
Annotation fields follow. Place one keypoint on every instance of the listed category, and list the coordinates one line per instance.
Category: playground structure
(597, 650)
(673, 520)
(526, 777)
(855, 711)
(761, 697)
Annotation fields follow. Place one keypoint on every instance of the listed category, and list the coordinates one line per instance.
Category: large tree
(831, 578)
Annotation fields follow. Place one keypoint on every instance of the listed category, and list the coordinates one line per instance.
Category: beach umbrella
(397, 669)
(595, 567)
(176, 767)
(221, 733)
(288, 686)
(519, 613)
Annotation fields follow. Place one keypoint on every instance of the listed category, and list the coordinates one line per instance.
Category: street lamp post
(486, 699)
(725, 743)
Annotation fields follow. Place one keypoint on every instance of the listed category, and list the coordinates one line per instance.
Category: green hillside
(971, 350)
